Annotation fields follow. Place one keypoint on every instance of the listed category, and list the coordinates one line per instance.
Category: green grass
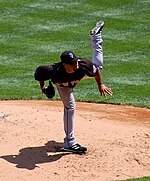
(138, 179)
(34, 33)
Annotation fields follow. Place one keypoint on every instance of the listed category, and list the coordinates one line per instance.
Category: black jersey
(57, 73)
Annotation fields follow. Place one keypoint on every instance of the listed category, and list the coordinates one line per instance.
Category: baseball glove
(49, 91)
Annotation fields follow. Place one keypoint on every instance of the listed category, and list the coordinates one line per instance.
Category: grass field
(139, 179)
(34, 33)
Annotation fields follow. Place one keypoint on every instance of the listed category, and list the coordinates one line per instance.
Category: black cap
(68, 57)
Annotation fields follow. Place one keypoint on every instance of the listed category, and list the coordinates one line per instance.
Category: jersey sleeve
(43, 73)
(89, 68)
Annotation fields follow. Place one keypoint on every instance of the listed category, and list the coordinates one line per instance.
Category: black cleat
(76, 149)
(98, 28)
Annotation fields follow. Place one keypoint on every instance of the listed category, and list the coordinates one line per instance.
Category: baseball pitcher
(66, 74)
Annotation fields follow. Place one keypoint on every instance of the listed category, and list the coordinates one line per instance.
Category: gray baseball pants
(67, 97)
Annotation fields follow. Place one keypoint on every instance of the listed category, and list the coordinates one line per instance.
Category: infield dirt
(31, 137)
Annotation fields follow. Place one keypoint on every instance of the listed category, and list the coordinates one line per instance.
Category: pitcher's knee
(70, 107)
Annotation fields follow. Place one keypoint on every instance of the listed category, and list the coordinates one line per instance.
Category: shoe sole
(73, 151)
(99, 27)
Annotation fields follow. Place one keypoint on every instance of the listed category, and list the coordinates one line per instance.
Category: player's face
(70, 68)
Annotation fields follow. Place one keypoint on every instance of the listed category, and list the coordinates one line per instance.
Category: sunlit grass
(37, 32)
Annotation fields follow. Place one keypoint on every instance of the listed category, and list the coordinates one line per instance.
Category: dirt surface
(31, 138)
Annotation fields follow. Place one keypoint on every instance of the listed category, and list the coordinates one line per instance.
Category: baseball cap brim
(71, 62)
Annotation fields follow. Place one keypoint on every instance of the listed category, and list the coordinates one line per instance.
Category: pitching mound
(31, 138)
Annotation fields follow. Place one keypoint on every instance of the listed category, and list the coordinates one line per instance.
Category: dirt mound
(117, 138)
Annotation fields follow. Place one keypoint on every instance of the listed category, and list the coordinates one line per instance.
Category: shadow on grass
(31, 156)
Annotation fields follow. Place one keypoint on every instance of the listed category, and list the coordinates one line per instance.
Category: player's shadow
(31, 156)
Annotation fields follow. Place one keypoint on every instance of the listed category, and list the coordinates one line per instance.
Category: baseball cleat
(76, 149)
(98, 28)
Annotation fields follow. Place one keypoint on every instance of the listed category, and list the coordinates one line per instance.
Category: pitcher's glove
(49, 91)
